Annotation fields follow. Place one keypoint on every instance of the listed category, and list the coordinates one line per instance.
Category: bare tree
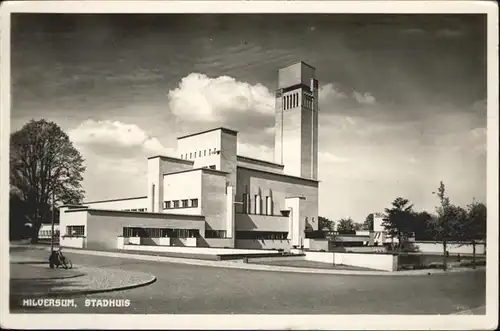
(44, 164)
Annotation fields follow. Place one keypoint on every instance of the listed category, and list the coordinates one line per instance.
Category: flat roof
(282, 175)
(297, 62)
(225, 130)
(171, 158)
(112, 200)
(219, 172)
(277, 165)
(133, 212)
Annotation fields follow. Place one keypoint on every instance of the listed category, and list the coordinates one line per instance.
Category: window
(199, 154)
(212, 167)
(176, 203)
(185, 203)
(209, 151)
(167, 205)
(182, 233)
(216, 234)
(205, 152)
(269, 205)
(261, 235)
(190, 155)
(256, 205)
(194, 203)
(75, 230)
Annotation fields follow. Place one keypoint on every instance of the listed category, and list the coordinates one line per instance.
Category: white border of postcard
(315, 322)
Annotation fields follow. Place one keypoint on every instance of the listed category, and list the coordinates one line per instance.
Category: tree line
(450, 222)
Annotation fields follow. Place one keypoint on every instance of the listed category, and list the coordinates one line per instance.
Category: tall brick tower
(296, 141)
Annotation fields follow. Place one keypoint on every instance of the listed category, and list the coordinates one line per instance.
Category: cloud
(116, 138)
(334, 101)
(365, 98)
(222, 99)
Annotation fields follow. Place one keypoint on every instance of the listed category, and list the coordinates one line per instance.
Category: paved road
(200, 290)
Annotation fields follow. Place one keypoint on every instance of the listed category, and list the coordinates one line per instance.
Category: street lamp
(52, 223)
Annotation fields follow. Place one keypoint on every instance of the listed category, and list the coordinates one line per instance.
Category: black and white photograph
(322, 166)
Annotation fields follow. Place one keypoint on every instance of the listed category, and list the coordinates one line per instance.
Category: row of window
(160, 233)
(257, 207)
(193, 155)
(184, 203)
(308, 101)
(75, 230)
(292, 101)
(259, 235)
(216, 234)
(46, 233)
(139, 209)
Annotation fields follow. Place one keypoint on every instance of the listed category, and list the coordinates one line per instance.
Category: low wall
(277, 258)
(366, 249)
(193, 250)
(215, 242)
(262, 244)
(452, 248)
(316, 244)
(325, 257)
(76, 242)
(184, 242)
(386, 262)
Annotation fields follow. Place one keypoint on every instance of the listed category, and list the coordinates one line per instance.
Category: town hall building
(207, 195)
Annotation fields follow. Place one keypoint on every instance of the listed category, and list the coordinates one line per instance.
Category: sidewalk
(30, 278)
(259, 267)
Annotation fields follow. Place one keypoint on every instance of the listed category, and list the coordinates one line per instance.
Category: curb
(90, 291)
(47, 278)
(255, 267)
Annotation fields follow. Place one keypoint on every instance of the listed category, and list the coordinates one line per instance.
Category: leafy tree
(345, 226)
(44, 164)
(398, 219)
(358, 226)
(421, 227)
(325, 224)
(17, 217)
(474, 228)
(449, 223)
(368, 223)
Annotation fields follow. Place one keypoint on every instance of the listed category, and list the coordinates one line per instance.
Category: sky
(402, 97)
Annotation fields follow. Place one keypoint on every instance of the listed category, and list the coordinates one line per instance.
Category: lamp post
(52, 224)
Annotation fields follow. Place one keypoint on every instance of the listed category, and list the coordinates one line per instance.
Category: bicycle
(58, 259)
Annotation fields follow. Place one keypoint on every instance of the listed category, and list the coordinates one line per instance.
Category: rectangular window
(194, 203)
(261, 235)
(75, 230)
(185, 203)
(199, 154)
(205, 152)
(221, 234)
(269, 206)
(176, 203)
(167, 204)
